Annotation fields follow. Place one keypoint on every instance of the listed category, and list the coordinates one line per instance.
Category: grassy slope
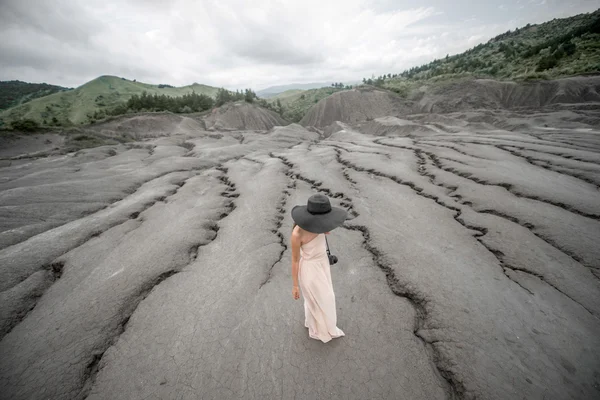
(105, 92)
(13, 93)
(287, 95)
(505, 56)
(295, 103)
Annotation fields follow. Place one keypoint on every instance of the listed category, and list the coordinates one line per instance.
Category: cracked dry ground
(468, 268)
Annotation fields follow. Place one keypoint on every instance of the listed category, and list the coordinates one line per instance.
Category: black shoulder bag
(332, 259)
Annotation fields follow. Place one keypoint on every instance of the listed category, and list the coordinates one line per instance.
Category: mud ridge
(56, 267)
(317, 186)
(386, 155)
(482, 231)
(510, 188)
(497, 253)
(417, 189)
(527, 225)
(453, 387)
(54, 272)
(531, 227)
(546, 165)
(278, 222)
(127, 192)
(540, 277)
(94, 365)
(455, 149)
(563, 155)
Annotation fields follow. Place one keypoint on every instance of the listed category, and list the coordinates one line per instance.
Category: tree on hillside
(223, 96)
(191, 102)
(547, 62)
(25, 125)
(249, 96)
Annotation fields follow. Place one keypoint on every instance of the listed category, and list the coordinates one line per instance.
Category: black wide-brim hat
(317, 216)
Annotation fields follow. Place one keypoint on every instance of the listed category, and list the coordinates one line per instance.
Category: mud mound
(490, 94)
(355, 105)
(242, 116)
(437, 119)
(333, 128)
(392, 126)
(29, 144)
(149, 125)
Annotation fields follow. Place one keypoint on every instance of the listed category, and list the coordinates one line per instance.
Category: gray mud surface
(160, 269)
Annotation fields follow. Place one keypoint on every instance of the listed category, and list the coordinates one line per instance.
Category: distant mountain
(75, 107)
(13, 93)
(274, 90)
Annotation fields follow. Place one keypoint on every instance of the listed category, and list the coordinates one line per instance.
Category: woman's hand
(296, 293)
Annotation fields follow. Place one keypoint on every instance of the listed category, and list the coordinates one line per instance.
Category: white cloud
(231, 43)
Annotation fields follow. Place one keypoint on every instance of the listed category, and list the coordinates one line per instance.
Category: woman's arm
(295, 243)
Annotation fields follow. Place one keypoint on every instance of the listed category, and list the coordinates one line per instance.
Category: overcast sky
(258, 43)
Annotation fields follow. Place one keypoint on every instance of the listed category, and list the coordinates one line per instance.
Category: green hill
(295, 103)
(554, 49)
(75, 107)
(288, 94)
(13, 93)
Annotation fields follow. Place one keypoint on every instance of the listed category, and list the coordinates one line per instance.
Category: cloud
(236, 43)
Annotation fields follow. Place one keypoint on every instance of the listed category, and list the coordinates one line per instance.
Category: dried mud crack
(422, 169)
(277, 229)
(133, 303)
(454, 387)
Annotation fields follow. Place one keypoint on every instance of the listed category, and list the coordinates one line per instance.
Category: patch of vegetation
(224, 96)
(340, 85)
(97, 97)
(77, 139)
(13, 93)
(558, 48)
(187, 103)
(25, 125)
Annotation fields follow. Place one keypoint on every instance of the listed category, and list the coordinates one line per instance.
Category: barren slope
(352, 106)
(241, 115)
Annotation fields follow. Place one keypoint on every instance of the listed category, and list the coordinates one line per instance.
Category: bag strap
(327, 243)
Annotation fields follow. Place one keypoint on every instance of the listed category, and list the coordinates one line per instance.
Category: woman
(310, 265)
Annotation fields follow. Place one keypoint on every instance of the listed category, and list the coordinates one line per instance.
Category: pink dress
(314, 277)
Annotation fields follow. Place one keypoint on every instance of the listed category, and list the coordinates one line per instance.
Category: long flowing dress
(314, 277)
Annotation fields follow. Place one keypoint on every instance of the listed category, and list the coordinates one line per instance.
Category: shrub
(547, 62)
(26, 125)
(569, 48)
(83, 137)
